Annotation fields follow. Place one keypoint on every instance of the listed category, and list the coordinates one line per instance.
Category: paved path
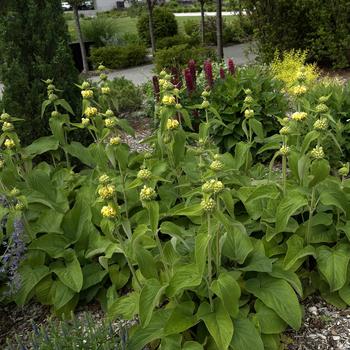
(141, 74)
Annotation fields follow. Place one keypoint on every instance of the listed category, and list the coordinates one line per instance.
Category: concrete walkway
(142, 74)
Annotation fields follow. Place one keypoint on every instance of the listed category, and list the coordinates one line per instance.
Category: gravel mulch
(325, 328)
(143, 127)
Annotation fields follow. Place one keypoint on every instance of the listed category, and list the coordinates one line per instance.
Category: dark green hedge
(320, 26)
(115, 57)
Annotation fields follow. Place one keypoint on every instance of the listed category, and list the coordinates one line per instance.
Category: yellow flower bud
(85, 85)
(106, 192)
(216, 165)
(299, 116)
(87, 94)
(9, 143)
(248, 113)
(285, 130)
(205, 104)
(144, 175)
(172, 124)
(106, 90)
(103, 179)
(147, 194)
(109, 212)
(317, 152)
(90, 111)
(208, 205)
(284, 150)
(114, 141)
(85, 121)
(7, 126)
(168, 100)
(321, 124)
(55, 114)
(5, 116)
(110, 122)
(109, 113)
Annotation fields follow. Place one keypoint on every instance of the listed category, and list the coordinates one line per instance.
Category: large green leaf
(192, 345)
(319, 170)
(181, 318)
(289, 206)
(278, 295)
(296, 251)
(52, 244)
(237, 245)
(61, 294)
(69, 272)
(333, 264)
(218, 323)
(126, 307)
(154, 330)
(201, 248)
(92, 274)
(40, 146)
(30, 277)
(149, 299)
(269, 321)
(146, 263)
(75, 220)
(228, 290)
(246, 336)
(185, 276)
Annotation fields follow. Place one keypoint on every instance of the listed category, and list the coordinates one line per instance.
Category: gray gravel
(325, 328)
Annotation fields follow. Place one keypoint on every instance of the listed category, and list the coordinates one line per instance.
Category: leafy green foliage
(207, 249)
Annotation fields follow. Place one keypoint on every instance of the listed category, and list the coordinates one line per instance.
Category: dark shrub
(320, 27)
(115, 57)
(164, 24)
(179, 55)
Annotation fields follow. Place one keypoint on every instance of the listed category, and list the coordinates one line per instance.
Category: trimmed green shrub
(100, 30)
(115, 57)
(179, 55)
(317, 26)
(165, 24)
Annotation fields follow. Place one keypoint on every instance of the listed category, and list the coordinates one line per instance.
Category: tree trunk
(150, 22)
(80, 38)
(220, 50)
(201, 2)
(240, 10)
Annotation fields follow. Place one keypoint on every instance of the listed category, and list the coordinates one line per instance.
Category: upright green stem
(124, 191)
(210, 266)
(284, 173)
(131, 267)
(217, 236)
(311, 211)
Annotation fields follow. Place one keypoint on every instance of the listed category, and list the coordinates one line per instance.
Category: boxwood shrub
(115, 57)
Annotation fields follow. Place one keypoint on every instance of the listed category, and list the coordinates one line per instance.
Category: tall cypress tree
(34, 47)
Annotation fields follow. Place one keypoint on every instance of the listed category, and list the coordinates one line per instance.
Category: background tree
(34, 46)
(150, 6)
(219, 41)
(202, 25)
(75, 5)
